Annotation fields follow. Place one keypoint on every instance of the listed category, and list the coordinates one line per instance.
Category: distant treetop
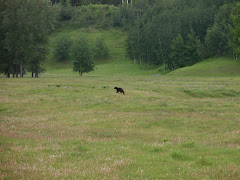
(87, 2)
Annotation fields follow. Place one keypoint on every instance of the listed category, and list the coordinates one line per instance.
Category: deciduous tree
(235, 31)
(83, 56)
(62, 48)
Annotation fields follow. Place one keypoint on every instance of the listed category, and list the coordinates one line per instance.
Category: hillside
(117, 64)
(214, 67)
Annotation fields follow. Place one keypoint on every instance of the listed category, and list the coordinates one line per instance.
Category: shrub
(82, 54)
(101, 49)
(62, 48)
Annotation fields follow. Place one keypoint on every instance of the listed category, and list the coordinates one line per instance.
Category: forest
(182, 33)
(169, 33)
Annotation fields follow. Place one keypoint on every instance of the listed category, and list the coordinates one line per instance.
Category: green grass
(79, 128)
(214, 67)
(62, 126)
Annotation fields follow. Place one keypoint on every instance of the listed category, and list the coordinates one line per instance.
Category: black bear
(119, 90)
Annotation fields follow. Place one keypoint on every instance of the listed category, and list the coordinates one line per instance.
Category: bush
(101, 49)
(82, 54)
(66, 10)
(62, 47)
(100, 16)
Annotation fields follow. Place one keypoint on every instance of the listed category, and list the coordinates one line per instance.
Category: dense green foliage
(100, 16)
(88, 2)
(62, 48)
(83, 56)
(101, 49)
(235, 31)
(155, 32)
(218, 35)
(178, 51)
(3, 51)
(65, 10)
(174, 33)
(25, 28)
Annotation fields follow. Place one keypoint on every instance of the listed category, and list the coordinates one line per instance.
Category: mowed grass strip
(74, 128)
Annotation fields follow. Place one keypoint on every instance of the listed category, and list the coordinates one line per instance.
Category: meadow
(80, 128)
(62, 126)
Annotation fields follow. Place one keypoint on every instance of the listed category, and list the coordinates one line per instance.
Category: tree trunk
(8, 74)
(21, 69)
(15, 67)
(32, 74)
(140, 63)
(13, 72)
(36, 74)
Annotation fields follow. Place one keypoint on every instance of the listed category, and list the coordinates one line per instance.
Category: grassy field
(62, 126)
(80, 128)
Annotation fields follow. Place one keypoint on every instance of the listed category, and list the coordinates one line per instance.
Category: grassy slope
(214, 67)
(117, 64)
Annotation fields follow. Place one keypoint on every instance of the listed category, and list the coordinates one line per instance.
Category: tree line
(96, 15)
(25, 25)
(88, 2)
(178, 33)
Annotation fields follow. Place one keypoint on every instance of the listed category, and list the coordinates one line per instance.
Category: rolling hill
(119, 65)
(214, 67)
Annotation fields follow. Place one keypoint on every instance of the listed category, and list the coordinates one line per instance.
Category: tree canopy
(179, 32)
(173, 33)
(25, 27)
(83, 56)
